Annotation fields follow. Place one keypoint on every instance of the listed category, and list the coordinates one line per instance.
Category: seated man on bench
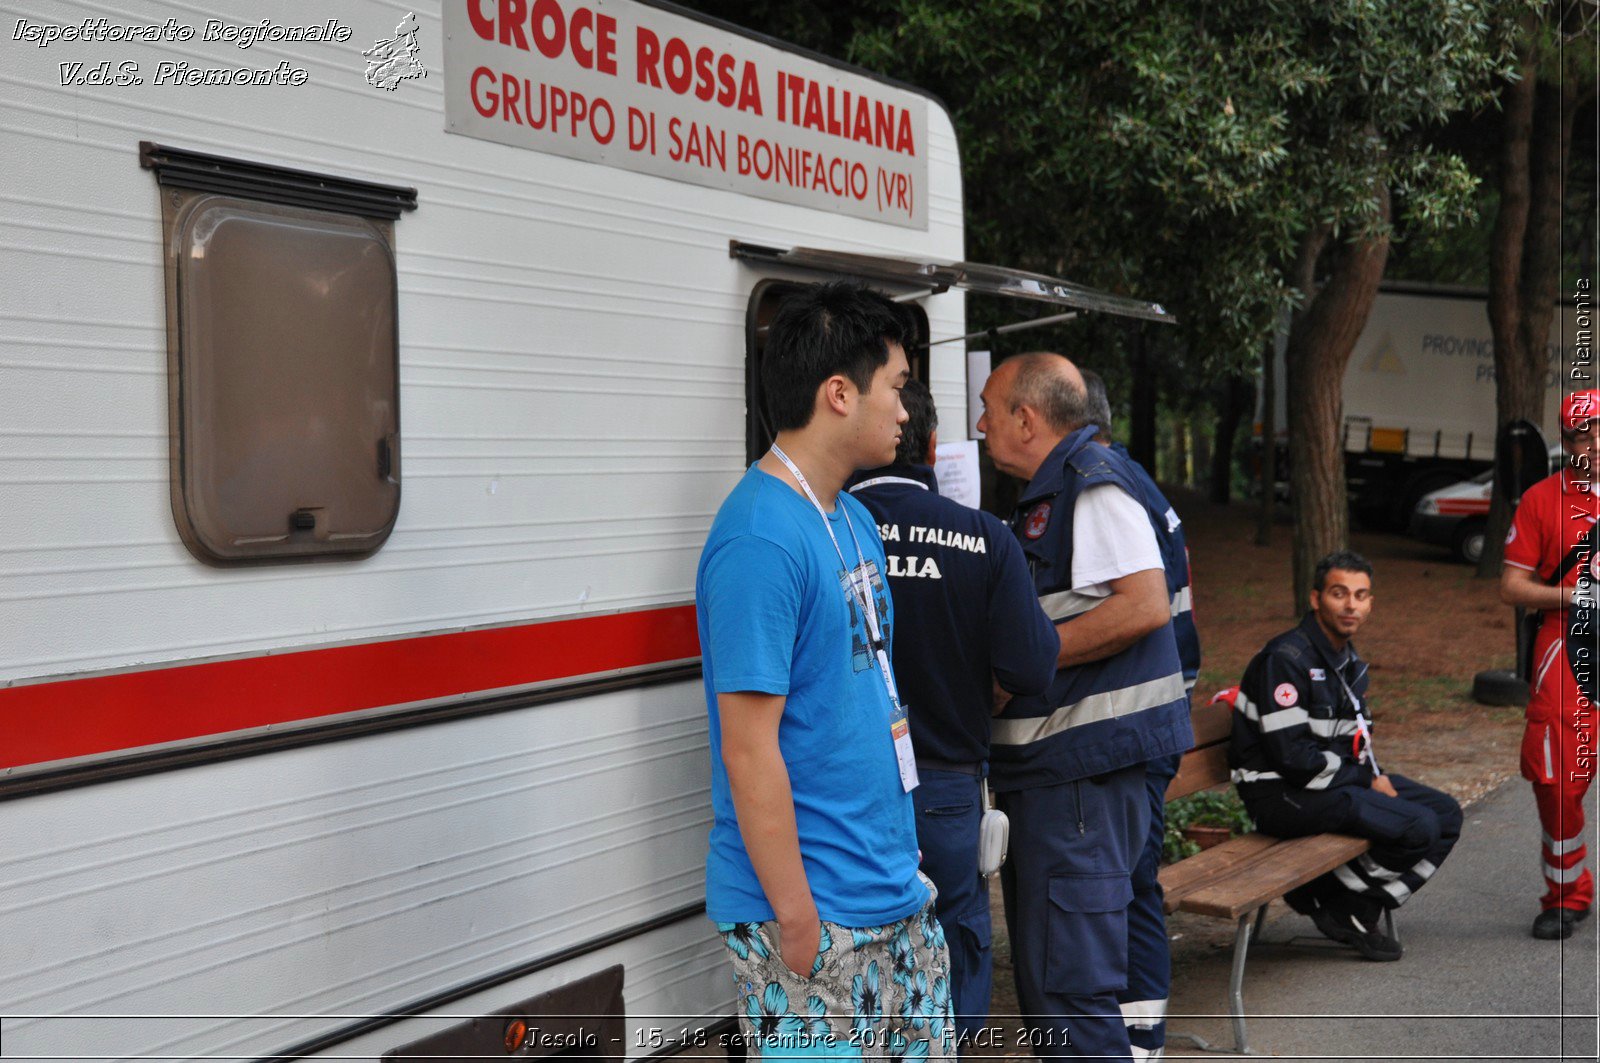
(1302, 760)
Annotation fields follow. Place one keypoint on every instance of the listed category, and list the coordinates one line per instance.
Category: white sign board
(977, 376)
(624, 84)
(957, 471)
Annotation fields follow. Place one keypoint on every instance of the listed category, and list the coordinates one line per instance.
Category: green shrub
(1219, 808)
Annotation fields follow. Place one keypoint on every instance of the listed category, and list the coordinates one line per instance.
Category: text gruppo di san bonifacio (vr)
(591, 40)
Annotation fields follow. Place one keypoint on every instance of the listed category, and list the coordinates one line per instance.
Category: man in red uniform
(1551, 566)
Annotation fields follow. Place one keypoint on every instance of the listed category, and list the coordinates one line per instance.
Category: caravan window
(764, 302)
(284, 382)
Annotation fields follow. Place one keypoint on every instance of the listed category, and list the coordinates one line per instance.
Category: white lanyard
(862, 594)
(1363, 729)
(861, 589)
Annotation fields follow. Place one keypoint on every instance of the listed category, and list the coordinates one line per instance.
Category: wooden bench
(1239, 878)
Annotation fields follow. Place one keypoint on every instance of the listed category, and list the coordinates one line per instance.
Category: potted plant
(1202, 820)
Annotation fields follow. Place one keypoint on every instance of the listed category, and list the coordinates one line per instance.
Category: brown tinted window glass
(285, 382)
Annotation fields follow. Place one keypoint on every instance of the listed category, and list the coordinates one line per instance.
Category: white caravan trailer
(287, 767)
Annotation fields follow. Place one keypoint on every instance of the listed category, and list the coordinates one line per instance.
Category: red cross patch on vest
(1038, 520)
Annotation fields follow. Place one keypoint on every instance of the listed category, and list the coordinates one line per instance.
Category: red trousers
(1558, 757)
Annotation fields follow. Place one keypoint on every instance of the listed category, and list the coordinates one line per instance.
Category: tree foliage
(1232, 159)
(1177, 150)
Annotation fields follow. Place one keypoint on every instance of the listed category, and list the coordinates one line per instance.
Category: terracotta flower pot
(1205, 835)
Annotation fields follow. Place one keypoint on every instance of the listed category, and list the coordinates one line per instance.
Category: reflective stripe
(1140, 1055)
(1144, 1012)
(1333, 728)
(1063, 605)
(1092, 709)
(1349, 879)
(1563, 848)
(1284, 719)
(1246, 775)
(1389, 881)
(1398, 890)
(1549, 767)
(1183, 601)
(1424, 869)
(1325, 776)
(1544, 665)
(1247, 708)
(1563, 875)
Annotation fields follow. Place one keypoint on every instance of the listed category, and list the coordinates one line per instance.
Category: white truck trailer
(288, 768)
(1419, 400)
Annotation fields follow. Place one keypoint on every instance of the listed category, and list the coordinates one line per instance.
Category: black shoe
(1553, 924)
(1301, 900)
(1345, 928)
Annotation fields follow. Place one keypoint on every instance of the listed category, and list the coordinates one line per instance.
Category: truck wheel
(1499, 686)
(1468, 541)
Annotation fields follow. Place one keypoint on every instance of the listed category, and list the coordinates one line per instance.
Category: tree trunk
(1180, 451)
(1236, 398)
(1524, 270)
(1269, 443)
(1142, 415)
(1320, 341)
(1540, 286)
(1514, 387)
(1200, 447)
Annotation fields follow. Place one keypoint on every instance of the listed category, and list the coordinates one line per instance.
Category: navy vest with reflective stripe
(1099, 717)
(1175, 559)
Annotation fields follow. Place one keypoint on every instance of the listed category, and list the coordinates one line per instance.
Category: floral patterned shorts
(877, 992)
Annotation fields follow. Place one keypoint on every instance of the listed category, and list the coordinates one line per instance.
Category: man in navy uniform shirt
(967, 618)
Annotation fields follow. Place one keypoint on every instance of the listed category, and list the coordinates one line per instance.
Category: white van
(289, 766)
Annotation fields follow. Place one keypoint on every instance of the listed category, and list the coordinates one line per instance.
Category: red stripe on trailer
(48, 721)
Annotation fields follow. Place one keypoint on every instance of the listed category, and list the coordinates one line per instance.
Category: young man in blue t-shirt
(812, 871)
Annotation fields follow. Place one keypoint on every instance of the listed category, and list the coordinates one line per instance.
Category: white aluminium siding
(572, 413)
(572, 384)
(353, 877)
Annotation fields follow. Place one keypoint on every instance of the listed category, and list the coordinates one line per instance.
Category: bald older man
(1069, 766)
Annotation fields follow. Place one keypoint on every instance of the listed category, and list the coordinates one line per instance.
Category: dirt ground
(1433, 626)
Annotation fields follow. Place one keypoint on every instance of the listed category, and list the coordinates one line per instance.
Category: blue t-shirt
(776, 616)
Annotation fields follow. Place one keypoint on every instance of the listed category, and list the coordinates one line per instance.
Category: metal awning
(942, 276)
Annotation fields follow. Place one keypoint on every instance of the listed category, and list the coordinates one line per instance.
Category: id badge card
(900, 728)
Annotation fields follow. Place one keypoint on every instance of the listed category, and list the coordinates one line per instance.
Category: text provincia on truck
(368, 396)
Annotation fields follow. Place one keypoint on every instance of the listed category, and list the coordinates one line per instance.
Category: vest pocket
(1087, 948)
